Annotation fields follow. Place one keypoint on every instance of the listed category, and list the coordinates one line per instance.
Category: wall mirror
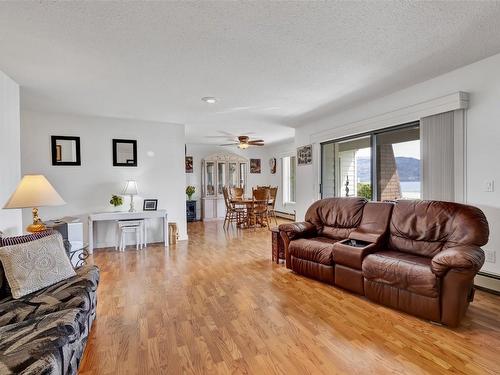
(124, 153)
(65, 150)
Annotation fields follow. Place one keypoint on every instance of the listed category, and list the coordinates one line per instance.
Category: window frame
(285, 179)
(373, 141)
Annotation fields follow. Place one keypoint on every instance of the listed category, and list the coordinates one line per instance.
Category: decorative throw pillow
(14, 240)
(35, 265)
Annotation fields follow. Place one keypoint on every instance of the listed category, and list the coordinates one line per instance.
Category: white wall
(10, 153)
(200, 151)
(88, 188)
(482, 81)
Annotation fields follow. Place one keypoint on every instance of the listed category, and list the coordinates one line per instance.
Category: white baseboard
(491, 282)
(286, 215)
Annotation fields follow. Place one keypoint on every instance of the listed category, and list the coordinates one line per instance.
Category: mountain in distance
(408, 169)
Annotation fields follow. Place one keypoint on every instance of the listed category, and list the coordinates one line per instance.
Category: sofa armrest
(458, 257)
(292, 231)
(298, 230)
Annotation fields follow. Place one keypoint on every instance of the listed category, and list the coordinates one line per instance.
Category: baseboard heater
(286, 215)
(488, 282)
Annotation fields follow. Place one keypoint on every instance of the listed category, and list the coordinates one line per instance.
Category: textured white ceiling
(271, 64)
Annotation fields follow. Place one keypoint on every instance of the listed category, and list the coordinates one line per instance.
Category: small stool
(173, 233)
(278, 246)
(130, 226)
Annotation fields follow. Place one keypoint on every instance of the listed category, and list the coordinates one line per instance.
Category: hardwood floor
(217, 304)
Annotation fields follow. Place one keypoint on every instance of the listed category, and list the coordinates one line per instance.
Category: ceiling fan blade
(229, 144)
(256, 144)
(256, 141)
(227, 133)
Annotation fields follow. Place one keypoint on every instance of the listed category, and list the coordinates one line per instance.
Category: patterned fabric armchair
(46, 332)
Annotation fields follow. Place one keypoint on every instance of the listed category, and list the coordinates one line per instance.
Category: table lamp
(131, 189)
(32, 192)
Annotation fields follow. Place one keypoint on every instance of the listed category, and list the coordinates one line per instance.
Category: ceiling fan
(244, 142)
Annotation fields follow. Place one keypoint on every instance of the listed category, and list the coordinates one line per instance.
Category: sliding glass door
(346, 168)
(398, 164)
(382, 165)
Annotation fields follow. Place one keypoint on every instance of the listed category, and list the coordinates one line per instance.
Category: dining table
(248, 203)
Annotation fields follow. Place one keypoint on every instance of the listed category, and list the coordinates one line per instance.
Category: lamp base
(34, 228)
(38, 225)
(131, 209)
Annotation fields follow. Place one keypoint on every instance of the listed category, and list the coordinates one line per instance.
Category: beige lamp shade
(34, 191)
(130, 188)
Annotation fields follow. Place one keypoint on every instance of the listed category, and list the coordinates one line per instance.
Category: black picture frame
(149, 201)
(130, 162)
(56, 156)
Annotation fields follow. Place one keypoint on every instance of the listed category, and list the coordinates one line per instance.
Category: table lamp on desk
(32, 192)
(131, 189)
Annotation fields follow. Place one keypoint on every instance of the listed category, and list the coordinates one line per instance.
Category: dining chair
(260, 207)
(259, 190)
(237, 192)
(233, 213)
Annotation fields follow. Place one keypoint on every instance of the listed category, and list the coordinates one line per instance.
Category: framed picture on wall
(150, 205)
(124, 153)
(254, 165)
(304, 155)
(189, 164)
(272, 165)
(65, 150)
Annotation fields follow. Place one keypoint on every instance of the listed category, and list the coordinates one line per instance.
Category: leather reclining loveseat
(416, 256)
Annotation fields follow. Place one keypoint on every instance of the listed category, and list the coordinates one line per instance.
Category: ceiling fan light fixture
(209, 99)
(243, 146)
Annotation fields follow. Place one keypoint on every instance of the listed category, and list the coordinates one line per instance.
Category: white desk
(124, 215)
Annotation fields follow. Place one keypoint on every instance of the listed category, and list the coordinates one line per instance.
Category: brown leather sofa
(416, 256)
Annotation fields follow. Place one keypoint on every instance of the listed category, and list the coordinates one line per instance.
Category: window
(398, 164)
(346, 168)
(289, 166)
(382, 165)
(243, 175)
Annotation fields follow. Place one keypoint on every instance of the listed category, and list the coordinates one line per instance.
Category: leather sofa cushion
(317, 249)
(316, 271)
(427, 227)
(401, 270)
(336, 217)
(375, 222)
(351, 256)
(336, 233)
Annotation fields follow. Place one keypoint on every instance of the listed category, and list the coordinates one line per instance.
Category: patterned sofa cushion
(46, 332)
(76, 292)
(49, 344)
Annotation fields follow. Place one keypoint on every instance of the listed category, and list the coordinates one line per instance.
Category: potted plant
(190, 191)
(116, 200)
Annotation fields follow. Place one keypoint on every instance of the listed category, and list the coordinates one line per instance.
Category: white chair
(131, 226)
